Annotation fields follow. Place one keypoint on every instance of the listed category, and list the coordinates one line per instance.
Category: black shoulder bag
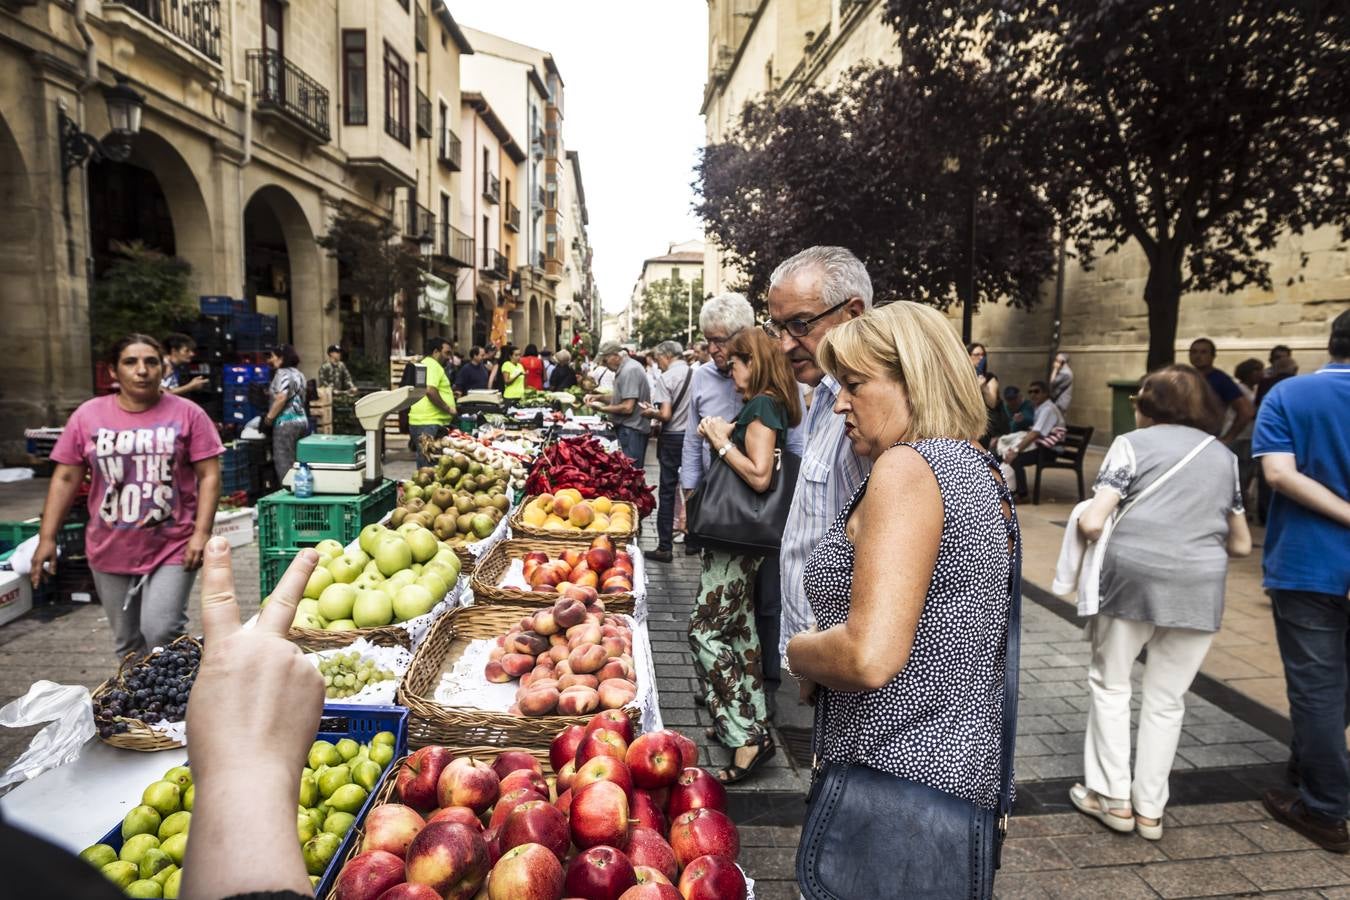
(872, 834)
(725, 513)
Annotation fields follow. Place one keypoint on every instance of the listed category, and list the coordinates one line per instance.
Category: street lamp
(124, 117)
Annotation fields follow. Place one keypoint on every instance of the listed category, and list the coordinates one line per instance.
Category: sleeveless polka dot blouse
(939, 721)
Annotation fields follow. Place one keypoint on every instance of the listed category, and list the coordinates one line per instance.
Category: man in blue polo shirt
(1302, 438)
(1237, 409)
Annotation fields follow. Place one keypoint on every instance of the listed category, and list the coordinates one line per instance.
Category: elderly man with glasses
(1044, 437)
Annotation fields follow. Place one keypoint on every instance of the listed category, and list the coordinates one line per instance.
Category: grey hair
(729, 312)
(562, 357)
(668, 348)
(842, 275)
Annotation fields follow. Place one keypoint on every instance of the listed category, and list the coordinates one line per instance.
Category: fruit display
(480, 450)
(571, 660)
(391, 576)
(154, 688)
(584, 464)
(597, 570)
(459, 499)
(347, 674)
(620, 819)
(568, 512)
(154, 834)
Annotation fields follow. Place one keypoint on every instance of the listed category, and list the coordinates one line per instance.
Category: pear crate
(286, 522)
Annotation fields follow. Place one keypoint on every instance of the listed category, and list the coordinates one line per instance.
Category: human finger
(220, 611)
(279, 612)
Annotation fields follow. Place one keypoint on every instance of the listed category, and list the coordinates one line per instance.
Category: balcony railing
(512, 216)
(495, 264)
(423, 113)
(454, 245)
(195, 22)
(541, 197)
(450, 150)
(421, 28)
(420, 223)
(492, 188)
(395, 127)
(281, 85)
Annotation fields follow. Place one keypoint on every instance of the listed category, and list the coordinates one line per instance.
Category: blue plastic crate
(340, 720)
(235, 376)
(222, 306)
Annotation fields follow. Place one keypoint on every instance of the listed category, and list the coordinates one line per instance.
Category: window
(396, 96)
(354, 77)
(487, 237)
(551, 242)
(446, 249)
(675, 273)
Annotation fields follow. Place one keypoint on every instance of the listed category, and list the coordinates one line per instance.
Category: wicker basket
(139, 736)
(319, 639)
(430, 722)
(519, 527)
(496, 561)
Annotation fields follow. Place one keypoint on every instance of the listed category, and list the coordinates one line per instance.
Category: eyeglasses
(798, 327)
(722, 342)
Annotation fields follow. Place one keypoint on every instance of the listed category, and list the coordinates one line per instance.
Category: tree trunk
(1162, 294)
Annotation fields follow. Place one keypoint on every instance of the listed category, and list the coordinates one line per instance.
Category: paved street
(1218, 841)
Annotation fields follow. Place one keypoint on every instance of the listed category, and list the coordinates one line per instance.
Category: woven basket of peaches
(567, 514)
(532, 572)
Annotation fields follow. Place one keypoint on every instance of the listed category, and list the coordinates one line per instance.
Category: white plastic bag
(68, 707)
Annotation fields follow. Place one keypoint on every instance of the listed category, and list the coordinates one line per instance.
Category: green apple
(348, 798)
(136, 845)
(165, 796)
(408, 528)
(120, 873)
(304, 826)
(411, 601)
(357, 557)
(305, 620)
(318, 851)
(372, 569)
(153, 860)
(309, 790)
(329, 548)
(99, 855)
(415, 568)
(163, 875)
(343, 571)
(314, 882)
(341, 625)
(339, 823)
(369, 538)
(392, 555)
(172, 885)
(333, 779)
(188, 796)
(174, 823)
(140, 820)
(319, 579)
(382, 754)
(179, 775)
(337, 602)
(373, 609)
(436, 585)
(321, 753)
(384, 737)
(144, 888)
(423, 544)
(176, 846)
(367, 773)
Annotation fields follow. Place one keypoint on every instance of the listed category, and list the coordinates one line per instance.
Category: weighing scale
(347, 464)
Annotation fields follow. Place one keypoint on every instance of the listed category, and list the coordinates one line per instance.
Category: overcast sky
(634, 73)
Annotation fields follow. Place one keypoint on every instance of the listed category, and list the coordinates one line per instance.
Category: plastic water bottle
(304, 482)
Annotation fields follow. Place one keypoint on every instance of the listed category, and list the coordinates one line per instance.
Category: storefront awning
(435, 302)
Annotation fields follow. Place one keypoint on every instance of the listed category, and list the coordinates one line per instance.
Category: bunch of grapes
(345, 674)
(156, 687)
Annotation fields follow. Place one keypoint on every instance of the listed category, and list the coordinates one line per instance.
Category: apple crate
(518, 525)
(430, 722)
(286, 522)
(496, 561)
(360, 723)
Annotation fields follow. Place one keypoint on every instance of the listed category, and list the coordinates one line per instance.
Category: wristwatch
(726, 448)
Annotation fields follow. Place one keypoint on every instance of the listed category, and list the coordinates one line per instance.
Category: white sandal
(1090, 803)
(1149, 832)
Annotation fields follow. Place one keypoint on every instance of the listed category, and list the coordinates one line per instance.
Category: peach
(494, 673)
(498, 651)
(567, 681)
(538, 701)
(599, 558)
(617, 692)
(585, 633)
(578, 700)
(544, 623)
(581, 515)
(558, 652)
(587, 579)
(568, 612)
(614, 646)
(517, 664)
(571, 556)
(539, 556)
(586, 658)
(613, 668)
(562, 506)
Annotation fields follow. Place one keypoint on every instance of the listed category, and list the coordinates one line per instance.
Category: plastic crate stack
(72, 569)
(254, 331)
(239, 407)
(236, 470)
(286, 525)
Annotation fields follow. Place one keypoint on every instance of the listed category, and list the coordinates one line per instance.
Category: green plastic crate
(288, 523)
(70, 540)
(272, 564)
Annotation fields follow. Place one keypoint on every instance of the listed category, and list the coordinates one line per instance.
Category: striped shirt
(830, 473)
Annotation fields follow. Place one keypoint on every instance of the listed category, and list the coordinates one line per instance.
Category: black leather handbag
(725, 513)
(872, 834)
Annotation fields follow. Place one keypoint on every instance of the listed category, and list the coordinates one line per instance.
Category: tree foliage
(143, 292)
(375, 266)
(889, 164)
(1200, 129)
(665, 312)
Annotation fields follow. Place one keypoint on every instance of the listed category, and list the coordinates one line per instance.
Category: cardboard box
(16, 596)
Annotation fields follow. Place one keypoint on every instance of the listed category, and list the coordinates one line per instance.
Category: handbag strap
(689, 374)
(1011, 677)
(1181, 464)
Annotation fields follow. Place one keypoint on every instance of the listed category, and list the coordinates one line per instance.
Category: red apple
(564, 746)
(391, 828)
(601, 743)
(599, 873)
(600, 816)
(407, 891)
(564, 802)
(712, 878)
(461, 814)
(647, 812)
(509, 761)
(369, 875)
(524, 778)
(688, 749)
(450, 858)
(651, 890)
(508, 803)
(526, 872)
(536, 822)
(468, 782)
(604, 768)
(614, 721)
(492, 837)
(419, 775)
(701, 832)
(695, 789)
(647, 848)
(567, 775)
(654, 759)
(648, 875)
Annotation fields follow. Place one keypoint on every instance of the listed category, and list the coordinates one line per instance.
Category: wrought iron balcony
(194, 22)
(495, 265)
(540, 260)
(419, 223)
(421, 28)
(423, 113)
(280, 85)
(450, 150)
(492, 188)
(454, 245)
(512, 216)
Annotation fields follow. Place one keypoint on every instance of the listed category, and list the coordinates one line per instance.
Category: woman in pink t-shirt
(154, 463)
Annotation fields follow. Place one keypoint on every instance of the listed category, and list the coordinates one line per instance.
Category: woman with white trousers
(1171, 496)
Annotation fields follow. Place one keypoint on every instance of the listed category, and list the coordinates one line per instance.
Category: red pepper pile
(581, 463)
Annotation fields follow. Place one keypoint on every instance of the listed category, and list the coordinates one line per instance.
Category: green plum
(99, 855)
(141, 820)
(120, 873)
(135, 847)
(348, 798)
(322, 753)
(175, 823)
(304, 826)
(319, 850)
(153, 861)
(179, 775)
(348, 748)
(309, 790)
(383, 754)
(164, 796)
(176, 846)
(333, 779)
(367, 774)
(173, 884)
(144, 888)
(188, 796)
